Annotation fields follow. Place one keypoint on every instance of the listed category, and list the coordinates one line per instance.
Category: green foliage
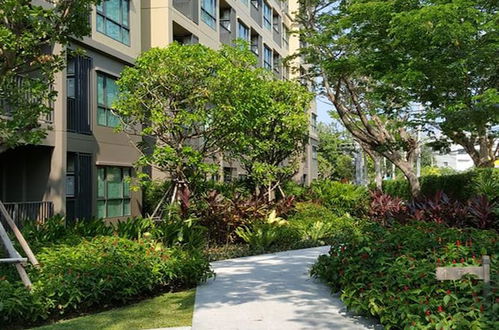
(335, 153)
(317, 223)
(340, 197)
(389, 273)
(96, 273)
(460, 186)
(152, 193)
(28, 33)
(171, 231)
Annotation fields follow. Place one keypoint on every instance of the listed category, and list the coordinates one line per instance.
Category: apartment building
(80, 168)
(265, 25)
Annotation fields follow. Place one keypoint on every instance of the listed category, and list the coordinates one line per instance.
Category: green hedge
(389, 273)
(99, 272)
(460, 186)
(340, 197)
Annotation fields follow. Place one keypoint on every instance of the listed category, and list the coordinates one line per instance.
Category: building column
(56, 191)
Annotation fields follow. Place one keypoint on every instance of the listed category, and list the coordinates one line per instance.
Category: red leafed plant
(481, 213)
(385, 208)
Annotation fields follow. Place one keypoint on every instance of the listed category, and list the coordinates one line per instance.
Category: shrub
(477, 212)
(460, 186)
(340, 197)
(153, 192)
(99, 272)
(389, 273)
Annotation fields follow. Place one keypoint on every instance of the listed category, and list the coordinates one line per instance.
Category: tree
(176, 98)
(447, 58)
(371, 107)
(28, 61)
(442, 53)
(271, 125)
(335, 153)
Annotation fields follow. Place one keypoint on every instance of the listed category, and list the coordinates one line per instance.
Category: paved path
(273, 292)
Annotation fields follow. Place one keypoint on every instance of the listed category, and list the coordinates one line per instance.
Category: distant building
(457, 159)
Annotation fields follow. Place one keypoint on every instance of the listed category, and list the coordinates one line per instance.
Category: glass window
(107, 92)
(208, 12)
(285, 35)
(225, 19)
(267, 58)
(256, 3)
(242, 31)
(314, 122)
(267, 16)
(314, 152)
(113, 192)
(246, 2)
(113, 20)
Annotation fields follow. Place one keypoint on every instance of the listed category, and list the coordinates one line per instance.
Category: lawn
(167, 310)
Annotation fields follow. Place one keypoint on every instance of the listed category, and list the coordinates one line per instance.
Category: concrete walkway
(272, 291)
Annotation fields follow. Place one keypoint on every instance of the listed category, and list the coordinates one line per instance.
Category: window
(256, 3)
(314, 122)
(77, 89)
(208, 12)
(113, 192)
(227, 174)
(276, 61)
(225, 19)
(107, 91)
(113, 19)
(267, 58)
(254, 44)
(276, 20)
(314, 152)
(242, 31)
(267, 16)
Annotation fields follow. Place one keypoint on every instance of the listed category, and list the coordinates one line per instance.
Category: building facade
(80, 168)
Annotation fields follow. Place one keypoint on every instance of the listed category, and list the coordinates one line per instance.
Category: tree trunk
(413, 179)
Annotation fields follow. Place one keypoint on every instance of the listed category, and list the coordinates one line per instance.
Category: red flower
(406, 288)
(448, 292)
(458, 243)
(440, 309)
(427, 312)
(454, 261)
(462, 260)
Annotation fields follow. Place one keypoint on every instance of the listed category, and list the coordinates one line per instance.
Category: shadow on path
(271, 291)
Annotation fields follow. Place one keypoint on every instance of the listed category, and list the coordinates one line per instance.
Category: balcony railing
(23, 212)
(7, 109)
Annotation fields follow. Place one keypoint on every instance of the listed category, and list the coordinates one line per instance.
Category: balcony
(190, 9)
(30, 211)
(7, 109)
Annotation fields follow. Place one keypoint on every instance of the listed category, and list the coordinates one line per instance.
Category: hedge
(95, 273)
(460, 186)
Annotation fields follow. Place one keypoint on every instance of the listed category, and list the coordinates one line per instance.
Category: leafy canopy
(29, 60)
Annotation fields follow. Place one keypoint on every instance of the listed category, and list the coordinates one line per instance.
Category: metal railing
(30, 211)
(7, 109)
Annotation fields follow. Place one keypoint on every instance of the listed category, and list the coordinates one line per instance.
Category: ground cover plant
(389, 272)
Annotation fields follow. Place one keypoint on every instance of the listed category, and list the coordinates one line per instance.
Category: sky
(323, 107)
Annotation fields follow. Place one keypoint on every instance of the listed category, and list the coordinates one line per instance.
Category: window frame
(106, 107)
(239, 25)
(315, 152)
(101, 11)
(266, 64)
(124, 187)
(213, 16)
(267, 21)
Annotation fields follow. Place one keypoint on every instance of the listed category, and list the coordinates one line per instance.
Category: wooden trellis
(13, 257)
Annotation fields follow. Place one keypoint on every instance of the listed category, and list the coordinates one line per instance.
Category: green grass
(167, 310)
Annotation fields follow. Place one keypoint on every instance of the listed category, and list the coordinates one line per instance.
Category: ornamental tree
(269, 120)
(177, 99)
(28, 61)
